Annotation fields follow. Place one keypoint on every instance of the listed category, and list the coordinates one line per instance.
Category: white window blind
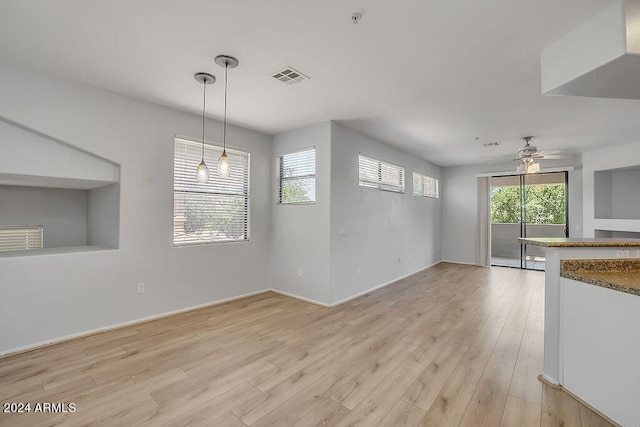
(216, 211)
(424, 185)
(20, 238)
(297, 178)
(381, 175)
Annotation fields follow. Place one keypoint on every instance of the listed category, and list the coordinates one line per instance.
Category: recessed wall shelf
(73, 194)
(617, 193)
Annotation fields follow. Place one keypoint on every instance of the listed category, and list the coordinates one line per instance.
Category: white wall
(300, 233)
(61, 212)
(611, 157)
(379, 226)
(103, 227)
(46, 297)
(387, 235)
(460, 205)
(625, 194)
(34, 153)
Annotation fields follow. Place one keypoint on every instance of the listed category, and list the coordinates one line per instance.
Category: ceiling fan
(529, 154)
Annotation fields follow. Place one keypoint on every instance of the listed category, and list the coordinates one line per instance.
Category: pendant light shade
(202, 175)
(224, 169)
(223, 165)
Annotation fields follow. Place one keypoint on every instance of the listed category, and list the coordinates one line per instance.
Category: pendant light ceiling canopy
(227, 62)
(202, 174)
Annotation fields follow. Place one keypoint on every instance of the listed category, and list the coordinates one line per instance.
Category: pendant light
(206, 79)
(224, 169)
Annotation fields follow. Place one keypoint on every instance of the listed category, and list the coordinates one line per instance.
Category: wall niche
(72, 194)
(617, 193)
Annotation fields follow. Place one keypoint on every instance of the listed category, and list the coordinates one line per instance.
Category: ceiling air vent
(290, 76)
(492, 144)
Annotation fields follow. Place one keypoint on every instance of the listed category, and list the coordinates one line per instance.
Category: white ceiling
(428, 76)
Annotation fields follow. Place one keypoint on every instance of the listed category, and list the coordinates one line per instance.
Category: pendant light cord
(204, 105)
(224, 131)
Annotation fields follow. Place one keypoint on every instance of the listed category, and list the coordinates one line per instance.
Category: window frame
(379, 184)
(189, 186)
(423, 192)
(280, 161)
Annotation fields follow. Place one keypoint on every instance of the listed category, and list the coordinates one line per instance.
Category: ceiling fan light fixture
(532, 167)
(528, 165)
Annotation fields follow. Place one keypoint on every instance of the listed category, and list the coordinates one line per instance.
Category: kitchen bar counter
(557, 249)
(622, 274)
(583, 323)
(573, 242)
(600, 335)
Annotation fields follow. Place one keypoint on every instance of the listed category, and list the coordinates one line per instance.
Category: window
(297, 178)
(217, 211)
(424, 185)
(381, 175)
(20, 238)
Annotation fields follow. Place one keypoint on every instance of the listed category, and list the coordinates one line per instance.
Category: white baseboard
(352, 297)
(309, 300)
(461, 263)
(548, 380)
(123, 324)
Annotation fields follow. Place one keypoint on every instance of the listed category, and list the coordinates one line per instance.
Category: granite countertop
(621, 274)
(573, 242)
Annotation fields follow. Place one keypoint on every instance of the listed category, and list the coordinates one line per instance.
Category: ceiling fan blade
(554, 156)
(549, 152)
(499, 161)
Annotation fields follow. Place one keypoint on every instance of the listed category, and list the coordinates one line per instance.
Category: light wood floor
(452, 345)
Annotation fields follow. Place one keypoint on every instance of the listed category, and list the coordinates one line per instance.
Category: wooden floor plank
(518, 412)
(380, 401)
(293, 410)
(427, 386)
(558, 408)
(202, 415)
(525, 384)
(254, 409)
(490, 397)
(327, 413)
(403, 414)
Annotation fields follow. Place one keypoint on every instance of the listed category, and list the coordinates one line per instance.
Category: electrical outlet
(622, 253)
(358, 271)
(299, 272)
(140, 288)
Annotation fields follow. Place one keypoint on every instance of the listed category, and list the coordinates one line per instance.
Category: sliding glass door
(533, 205)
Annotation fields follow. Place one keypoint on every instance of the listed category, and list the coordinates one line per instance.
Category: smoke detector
(290, 76)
